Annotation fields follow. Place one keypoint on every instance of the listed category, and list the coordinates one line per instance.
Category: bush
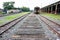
(3, 13)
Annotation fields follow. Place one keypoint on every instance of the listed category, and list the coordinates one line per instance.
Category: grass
(1, 21)
(53, 16)
(14, 16)
(11, 17)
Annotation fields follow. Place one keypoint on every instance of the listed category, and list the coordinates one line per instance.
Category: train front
(37, 10)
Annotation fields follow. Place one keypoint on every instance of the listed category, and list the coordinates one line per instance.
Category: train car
(37, 10)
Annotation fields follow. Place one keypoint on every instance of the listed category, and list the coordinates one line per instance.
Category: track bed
(30, 28)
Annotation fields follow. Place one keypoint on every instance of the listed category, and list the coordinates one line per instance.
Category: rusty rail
(52, 29)
(10, 24)
(52, 21)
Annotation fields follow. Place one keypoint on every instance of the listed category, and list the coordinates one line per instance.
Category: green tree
(25, 9)
(8, 5)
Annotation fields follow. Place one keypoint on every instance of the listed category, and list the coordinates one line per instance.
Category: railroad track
(55, 27)
(10, 24)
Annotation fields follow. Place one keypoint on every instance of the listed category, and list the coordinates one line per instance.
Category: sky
(29, 3)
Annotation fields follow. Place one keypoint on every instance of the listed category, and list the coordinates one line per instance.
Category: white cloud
(29, 3)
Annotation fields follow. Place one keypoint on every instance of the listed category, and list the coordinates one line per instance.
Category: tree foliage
(8, 5)
(25, 9)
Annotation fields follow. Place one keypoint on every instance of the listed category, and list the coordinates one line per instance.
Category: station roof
(52, 4)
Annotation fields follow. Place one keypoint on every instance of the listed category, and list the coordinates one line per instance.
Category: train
(37, 10)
